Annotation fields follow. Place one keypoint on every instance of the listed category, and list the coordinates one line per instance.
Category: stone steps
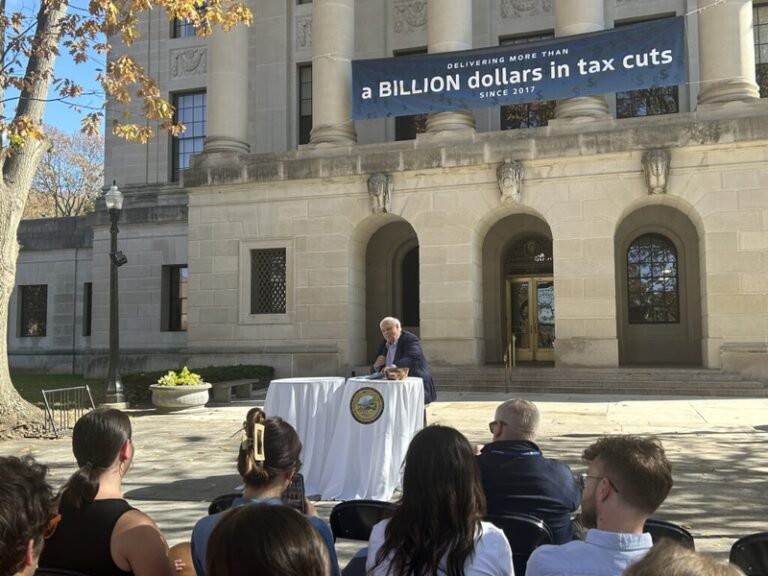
(631, 380)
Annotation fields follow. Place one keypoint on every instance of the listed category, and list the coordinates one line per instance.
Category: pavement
(717, 448)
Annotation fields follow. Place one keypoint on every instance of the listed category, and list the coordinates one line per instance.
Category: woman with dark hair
(100, 533)
(264, 541)
(437, 527)
(267, 460)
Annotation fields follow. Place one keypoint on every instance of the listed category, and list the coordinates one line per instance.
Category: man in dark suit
(517, 478)
(402, 349)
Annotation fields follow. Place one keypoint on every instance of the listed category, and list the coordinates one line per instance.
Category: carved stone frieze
(304, 33)
(410, 16)
(189, 62)
(525, 8)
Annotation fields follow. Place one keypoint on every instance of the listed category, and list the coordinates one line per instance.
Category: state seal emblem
(366, 405)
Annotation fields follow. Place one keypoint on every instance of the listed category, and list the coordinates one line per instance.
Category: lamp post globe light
(114, 201)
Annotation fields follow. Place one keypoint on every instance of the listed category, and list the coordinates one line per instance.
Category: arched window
(652, 281)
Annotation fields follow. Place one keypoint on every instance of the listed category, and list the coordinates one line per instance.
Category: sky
(63, 116)
(59, 114)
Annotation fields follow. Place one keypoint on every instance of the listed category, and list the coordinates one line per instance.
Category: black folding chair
(525, 533)
(354, 519)
(664, 529)
(750, 553)
(223, 502)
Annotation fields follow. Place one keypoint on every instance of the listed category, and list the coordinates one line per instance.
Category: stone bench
(222, 391)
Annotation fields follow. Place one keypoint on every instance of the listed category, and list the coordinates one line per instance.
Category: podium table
(310, 405)
(374, 425)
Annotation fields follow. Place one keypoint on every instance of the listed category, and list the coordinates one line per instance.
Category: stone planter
(179, 397)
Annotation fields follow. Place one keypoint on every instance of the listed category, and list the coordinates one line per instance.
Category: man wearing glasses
(517, 478)
(27, 514)
(627, 479)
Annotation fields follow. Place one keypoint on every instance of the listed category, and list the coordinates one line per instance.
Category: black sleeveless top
(83, 537)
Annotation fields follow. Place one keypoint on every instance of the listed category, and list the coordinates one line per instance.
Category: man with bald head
(517, 478)
(402, 349)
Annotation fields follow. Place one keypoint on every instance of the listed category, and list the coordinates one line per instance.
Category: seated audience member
(627, 479)
(265, 540)
(437, 526)
(517, 478)
(100, 533)
(267, 460)
(27, 514)
(671, 559)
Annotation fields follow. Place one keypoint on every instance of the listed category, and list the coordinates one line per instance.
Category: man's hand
(378, 364)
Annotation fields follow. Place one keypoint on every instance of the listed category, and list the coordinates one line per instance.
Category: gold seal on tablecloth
(366, 405)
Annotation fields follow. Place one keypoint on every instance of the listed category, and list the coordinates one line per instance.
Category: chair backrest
(664, 529)
(750, 553)
(57, 572)
(223, 502)
(354, 519)
(525, 533)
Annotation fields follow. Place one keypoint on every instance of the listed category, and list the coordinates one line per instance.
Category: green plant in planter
(183, 378)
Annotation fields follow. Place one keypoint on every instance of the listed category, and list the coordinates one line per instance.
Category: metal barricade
(64, 406)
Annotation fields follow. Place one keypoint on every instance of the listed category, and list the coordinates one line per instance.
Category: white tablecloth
(310, 405)
(365, 460)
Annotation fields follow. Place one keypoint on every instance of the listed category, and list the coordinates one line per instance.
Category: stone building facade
(599, 231)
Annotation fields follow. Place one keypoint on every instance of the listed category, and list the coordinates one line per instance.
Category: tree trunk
(19, 164)
(16, 414)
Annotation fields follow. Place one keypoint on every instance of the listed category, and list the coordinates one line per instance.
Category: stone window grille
(268, 281)
(34, 310)
(652, 281)
(191, 110)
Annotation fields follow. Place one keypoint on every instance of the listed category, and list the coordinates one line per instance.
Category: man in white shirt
(627, 479)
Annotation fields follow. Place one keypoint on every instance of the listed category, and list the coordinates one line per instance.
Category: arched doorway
(658, 288)
(391, 280)
(530, 299)
(519, 290)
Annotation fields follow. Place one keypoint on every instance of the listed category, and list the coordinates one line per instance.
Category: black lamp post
(114, 201)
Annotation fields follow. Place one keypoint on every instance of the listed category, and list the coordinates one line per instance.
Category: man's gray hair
(390, 320)
(522, 418)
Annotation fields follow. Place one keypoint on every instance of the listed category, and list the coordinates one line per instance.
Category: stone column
(228, 91)
(580, 17)
(449, 28)
(726, 52)
(333, 46)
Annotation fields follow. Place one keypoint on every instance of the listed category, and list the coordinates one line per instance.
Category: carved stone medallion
(410, 16)
(525, 8)
(189, 62)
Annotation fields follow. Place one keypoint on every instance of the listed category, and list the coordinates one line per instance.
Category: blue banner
(645, 55)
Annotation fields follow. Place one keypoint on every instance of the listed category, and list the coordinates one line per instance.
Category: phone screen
(294, 494)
